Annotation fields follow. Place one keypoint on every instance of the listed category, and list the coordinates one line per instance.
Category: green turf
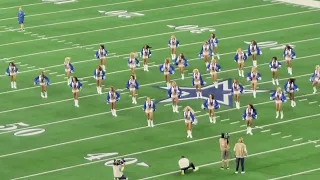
(72, 133)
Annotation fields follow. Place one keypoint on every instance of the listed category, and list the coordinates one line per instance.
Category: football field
(50, 139)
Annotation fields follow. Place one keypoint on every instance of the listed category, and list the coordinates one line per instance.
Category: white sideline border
(160, 148)
(296, 174)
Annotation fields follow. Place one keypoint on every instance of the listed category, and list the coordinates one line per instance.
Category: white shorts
(248, 118)
(240, 61)
(112, 100)
(132, 89)
(132, 65)
(145, 57)
(254, 81)
(210, 107)
(291, 91)
(187, 121)
(181, 65)
(42, 84)
(213, 72)
(67, 70)
(98, 78)
(173, 46)
(12, 73)
(149, 110)
(274, 70)
(166, 73)
(103, 57)
(317, 79)
(287, 58)
(253, 52)
(205, 53)
(236, 92)
(174, 96)
(196, 82)
(75, 90)
(278, 101)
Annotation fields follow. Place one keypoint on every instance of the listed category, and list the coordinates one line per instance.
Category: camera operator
(224, 148)
(185, 164)
(118, 167)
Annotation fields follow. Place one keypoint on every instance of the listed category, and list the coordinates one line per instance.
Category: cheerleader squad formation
(209, 53)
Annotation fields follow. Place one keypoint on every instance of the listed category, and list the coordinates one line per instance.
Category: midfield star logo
(222, 94)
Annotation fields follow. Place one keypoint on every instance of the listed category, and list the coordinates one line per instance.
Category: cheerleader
(213, 42)
(279, 98)
(12, 71)
(133, 62)
(289, 55)
(213, 67)
(205, 53)
(274, 66)
(149, 107)
(99, 75)
(174, 92)
(189, 119)
(211, 104)
(68, 68)
(76, 85)
(166, 68)
(181, 62)
(173, 44)
(290, 87)
(254, 77)
(254, 51)
(236, 90)
(145, 54)
(197, 82)
(315, 78)
(102, 54)
(249, 114)
(133, 85)
(112, 97)
(43, 81)
(240, 58)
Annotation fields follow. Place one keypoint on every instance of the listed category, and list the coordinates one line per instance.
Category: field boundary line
(160, 148)
(10, 7)
(296, 174)
(218, 162)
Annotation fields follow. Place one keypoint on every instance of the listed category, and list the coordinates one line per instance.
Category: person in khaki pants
(225, 153)
(240, 152)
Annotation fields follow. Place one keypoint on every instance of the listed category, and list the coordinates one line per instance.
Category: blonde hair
(317, 67)
(278, 89)
(167, 60)
(133, 54)
(239, 50)
(195, 70)
(254, 69)
(67, 59)
(148, 98)
(173, 37)
(188, 108)
(213, 60)
(240, 140)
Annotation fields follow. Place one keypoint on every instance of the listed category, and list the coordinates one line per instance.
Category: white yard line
(277, 133)
(295, 174)
(267, 130)
(236, 122)
(313, 102)
(69, 10)
(53, 73)
(25, 5)
(225, 120)
(156, 149)
(303, 99)
(286, 136)
(218, 162)
(299, 139)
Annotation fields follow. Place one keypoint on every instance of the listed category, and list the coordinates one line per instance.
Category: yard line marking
(167, 105)
(155, 149)
(197, 112)
(18, 63)
(277, 133)
(60, 74)
(24, 65)
(313, 102)
(243, 125)
(142, 97)
(31, 67)
(267, 130)
(295, 174)
(68, 10)
(44, 70)
(299, 139)
(23, 5)
(75, 44)
(84, 81)
(27, 33)
(236, 122)
(317, 145)
(68, 43)
(91, 84)
(61, 41)
(218, 162)
(303, 99)
(225, 120)
(53, 73)
(286, 136)
(34, 34)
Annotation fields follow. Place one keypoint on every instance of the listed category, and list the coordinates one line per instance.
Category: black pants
(238, 162)
(191, 165)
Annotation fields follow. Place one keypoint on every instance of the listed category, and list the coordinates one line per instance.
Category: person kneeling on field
(185, 164)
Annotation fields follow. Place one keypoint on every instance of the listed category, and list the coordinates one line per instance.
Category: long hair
(102, 46)
(147, 46)
(76, 79)
(133, 77)
(291, 80)
(188, 108)
(12, 63)
(213, 35)
(254, 42)
(211, 95)
(288, 47)
(274, 58)
(182, 56)
(254, 109)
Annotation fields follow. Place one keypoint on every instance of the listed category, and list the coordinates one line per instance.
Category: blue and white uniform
(11, 70)
(101, 53)
(149, 107)
(132, 85)
(189, 117)
(21, 17)
(42, 80)
(166, 69)
(145, 53)
(213, 68)
(274, 65)
(210, 104)
(99, 75)
(279, 97)
(181, 62)
(75, 86)
(173, 43)
(254, 50)
(197, 79)
(249, 114)
(291, 87)
(213, 42)
(315, 76)
(112, 97)
(240, 57)
(68, 67)
(253, 77)
(132, 63)
(236, 89)
(205, 51)
(289, 54)
(174, 92)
